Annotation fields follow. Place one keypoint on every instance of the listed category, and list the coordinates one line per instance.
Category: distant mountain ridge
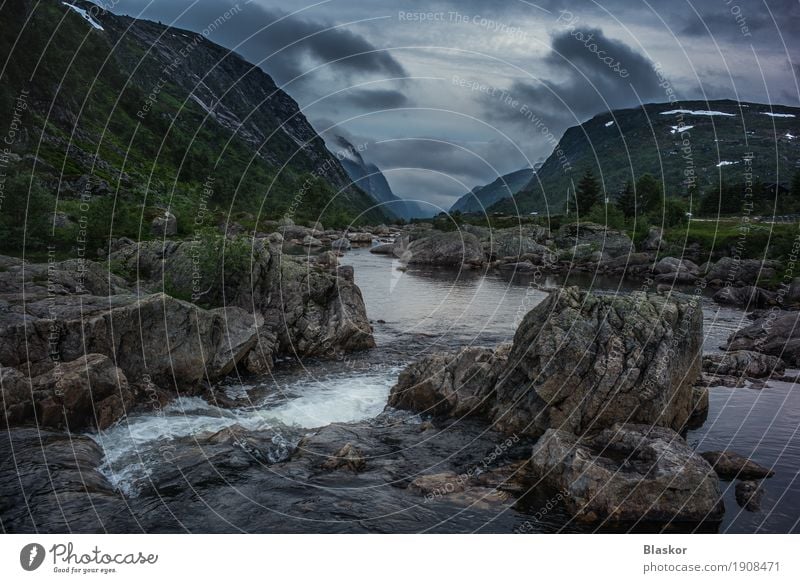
(692, 142)
(369, 178)
(481, 198)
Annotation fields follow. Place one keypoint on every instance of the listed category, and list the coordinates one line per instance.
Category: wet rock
(438, 484)
(745, 297)
(749, 495)
(742, 363)
(348, 457)
(628, 473)
(700, 411)
(51, 484)
(730, 466)
(449, 385)
(360, 238)
(776, 332)
(519, 267)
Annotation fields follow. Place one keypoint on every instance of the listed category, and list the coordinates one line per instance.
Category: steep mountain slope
(371, 180)
(482, 197)
(160, 116)
(693, 142)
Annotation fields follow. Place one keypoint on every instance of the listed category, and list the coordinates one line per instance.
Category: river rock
(87, 392)
(776, 332)
(341, 244)
(383, 249)
(747, 297)
(628, 473)
(446, 249)
(514, 242)
(598, 237)
(578, 362)
(749, 494)
(445, 384)
(742, 363)
(730, 466)
(741, 271)
(306, 307)
(671, 265)
(581, 361)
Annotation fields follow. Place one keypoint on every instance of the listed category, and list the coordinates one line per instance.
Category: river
(418, 311)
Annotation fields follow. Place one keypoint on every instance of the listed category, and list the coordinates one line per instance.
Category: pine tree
(626, 201)
(587, 193)
(648, 193)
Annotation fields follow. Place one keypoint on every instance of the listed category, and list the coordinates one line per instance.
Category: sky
(444, 96)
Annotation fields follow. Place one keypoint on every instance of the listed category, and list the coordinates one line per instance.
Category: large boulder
(153, 335)
(578, 361)
(777, 332)
(611, 242)
(450, 385)
(582, 361)
(306, 306)
(628, 473)
(514, 242)
(89, 391)
(446, 249)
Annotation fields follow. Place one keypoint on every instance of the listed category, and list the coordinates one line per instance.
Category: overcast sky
(446, 95)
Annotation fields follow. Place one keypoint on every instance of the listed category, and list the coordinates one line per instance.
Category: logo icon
(31, 556)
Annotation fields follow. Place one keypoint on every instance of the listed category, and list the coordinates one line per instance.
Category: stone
(445, 249)
(628, 473)
(747, 297)
(776, 332)
(749, 495)
(348, 457)
(341, 244)
(165, 225)
(383, 249)
(730, 465)
(578, 361)
(743, 363)
(654, 240)
(743, 271)
(598, 237)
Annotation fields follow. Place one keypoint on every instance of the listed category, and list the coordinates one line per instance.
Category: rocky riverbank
(587, 406)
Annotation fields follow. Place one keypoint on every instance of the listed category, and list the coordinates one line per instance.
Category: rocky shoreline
(590, 403)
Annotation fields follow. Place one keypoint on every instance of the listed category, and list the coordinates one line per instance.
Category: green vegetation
(98, 108)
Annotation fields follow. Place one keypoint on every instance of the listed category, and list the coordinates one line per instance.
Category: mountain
(104, 104)
(482, 197)
(369, 178)
(691, 142)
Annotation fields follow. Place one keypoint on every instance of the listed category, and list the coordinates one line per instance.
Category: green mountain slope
(669, 142)
(482, 197)
(159, 116)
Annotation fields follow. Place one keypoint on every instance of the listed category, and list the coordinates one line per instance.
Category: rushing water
(418, 311)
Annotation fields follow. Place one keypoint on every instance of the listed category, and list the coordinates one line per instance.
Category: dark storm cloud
(594, 73)
(286, 47)
(376, 99)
